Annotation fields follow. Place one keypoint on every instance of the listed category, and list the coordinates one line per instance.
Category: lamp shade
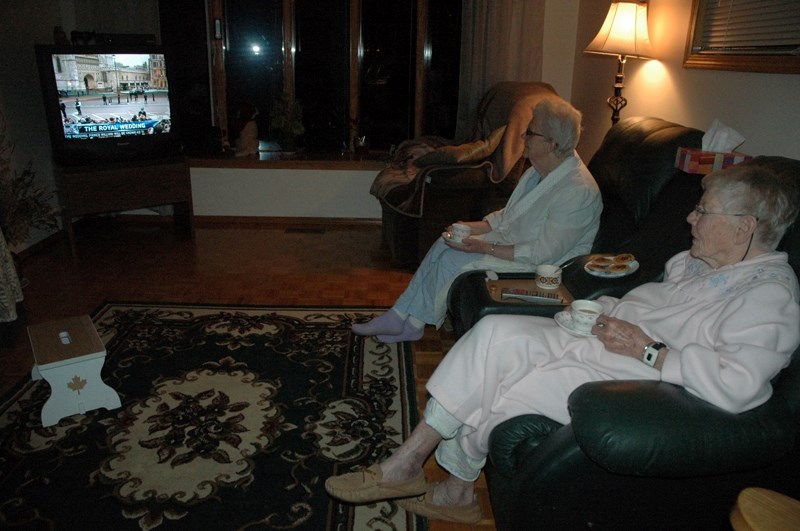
(624, 32)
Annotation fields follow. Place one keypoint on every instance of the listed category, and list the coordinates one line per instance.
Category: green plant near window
(286, 122)
(23, 204)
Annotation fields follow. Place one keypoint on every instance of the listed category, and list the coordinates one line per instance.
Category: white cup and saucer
(579, 319)
(458, 233)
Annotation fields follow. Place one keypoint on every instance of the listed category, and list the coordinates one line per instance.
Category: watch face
(651, 353)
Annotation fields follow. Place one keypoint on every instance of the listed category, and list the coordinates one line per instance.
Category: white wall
(284, 193)
(24, 24)
(764, 108)
(560, 35)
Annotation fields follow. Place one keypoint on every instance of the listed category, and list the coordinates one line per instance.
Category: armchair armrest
(517, 437)
(647, 428)
(473, 175)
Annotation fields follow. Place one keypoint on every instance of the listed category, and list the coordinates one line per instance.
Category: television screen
(106, 103)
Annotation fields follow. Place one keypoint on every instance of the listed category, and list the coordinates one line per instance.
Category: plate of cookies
(612, 265)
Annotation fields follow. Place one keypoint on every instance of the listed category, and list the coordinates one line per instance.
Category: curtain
(501, 40)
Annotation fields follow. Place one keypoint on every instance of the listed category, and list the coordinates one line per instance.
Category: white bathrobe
(729, 331)
(548, 222)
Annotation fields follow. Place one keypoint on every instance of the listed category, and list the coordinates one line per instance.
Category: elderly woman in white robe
(552, 215)
(722, 324)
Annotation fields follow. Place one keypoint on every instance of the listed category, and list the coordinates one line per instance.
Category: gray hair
(561, 122)
(758, 191)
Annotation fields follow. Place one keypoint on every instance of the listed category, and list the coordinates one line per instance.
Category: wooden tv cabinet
(104, 188)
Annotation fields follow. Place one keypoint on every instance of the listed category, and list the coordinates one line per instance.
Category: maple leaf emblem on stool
(76, 384)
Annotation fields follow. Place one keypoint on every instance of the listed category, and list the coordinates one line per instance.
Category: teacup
(584, 314)
(548, 276)
(459, 232)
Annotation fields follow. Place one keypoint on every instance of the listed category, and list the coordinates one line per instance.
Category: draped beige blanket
(503, 116)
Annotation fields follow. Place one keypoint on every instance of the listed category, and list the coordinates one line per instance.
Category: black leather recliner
(645, 203)
(648, 455)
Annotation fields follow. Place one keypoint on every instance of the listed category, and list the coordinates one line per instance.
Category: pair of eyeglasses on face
(531, 134)
(701, 211)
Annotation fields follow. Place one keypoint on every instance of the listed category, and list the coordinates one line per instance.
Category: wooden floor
(141, 259)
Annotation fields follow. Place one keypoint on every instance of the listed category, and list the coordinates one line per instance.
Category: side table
(69, 355)
(117, 187)
(469, 299)
(473, 296)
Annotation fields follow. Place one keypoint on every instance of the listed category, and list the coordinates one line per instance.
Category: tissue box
(693, 160)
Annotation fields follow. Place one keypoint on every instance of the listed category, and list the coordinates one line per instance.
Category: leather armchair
(648, 455)
(433, 182)
(645, 204)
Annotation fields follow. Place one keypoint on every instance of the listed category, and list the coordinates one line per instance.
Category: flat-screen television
(107, 103)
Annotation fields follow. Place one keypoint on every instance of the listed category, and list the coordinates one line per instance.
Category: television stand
(115, 187)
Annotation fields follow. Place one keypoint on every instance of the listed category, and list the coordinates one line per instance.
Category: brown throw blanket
(503, 116)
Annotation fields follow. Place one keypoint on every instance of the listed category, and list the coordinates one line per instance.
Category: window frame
(763, 63)
(217, 63)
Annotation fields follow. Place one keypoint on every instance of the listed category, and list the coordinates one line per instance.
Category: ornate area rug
(231, 418)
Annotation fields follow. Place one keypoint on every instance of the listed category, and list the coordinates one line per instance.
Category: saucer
(564, 320)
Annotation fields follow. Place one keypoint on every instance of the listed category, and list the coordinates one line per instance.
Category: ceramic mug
(584, 314)
(459, 232)
(548, 276)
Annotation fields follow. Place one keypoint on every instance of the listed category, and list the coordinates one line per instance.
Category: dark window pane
(322, 70)
(253, 60)
(387, 87)
(441, 91)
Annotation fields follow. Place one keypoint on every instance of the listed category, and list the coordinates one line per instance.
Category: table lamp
(624, 34)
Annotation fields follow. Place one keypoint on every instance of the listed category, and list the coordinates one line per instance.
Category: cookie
(597, 267)
(624, 258)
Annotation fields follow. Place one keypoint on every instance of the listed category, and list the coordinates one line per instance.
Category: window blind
(744, 27)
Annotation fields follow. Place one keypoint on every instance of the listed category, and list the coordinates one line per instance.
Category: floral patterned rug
(231, 418)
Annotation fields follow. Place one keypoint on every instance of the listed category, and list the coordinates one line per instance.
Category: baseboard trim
(212, 221)
(279, 221)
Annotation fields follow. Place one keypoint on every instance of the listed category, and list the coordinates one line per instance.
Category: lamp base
(618, 101)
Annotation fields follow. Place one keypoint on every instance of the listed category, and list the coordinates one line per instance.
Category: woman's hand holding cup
(459, 232)
(584, 314)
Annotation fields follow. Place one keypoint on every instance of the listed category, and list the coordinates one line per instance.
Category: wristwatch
(651, 350)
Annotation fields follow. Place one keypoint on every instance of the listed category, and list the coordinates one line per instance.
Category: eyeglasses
(701, 211)
(529, 134)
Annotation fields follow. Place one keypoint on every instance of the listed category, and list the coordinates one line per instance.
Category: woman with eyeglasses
(552, 215)
(722, 324)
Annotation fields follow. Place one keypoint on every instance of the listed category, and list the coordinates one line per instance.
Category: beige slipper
(366, 486)
(423, 506)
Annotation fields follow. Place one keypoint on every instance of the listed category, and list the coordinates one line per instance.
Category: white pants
(425, 298)
(449, 453)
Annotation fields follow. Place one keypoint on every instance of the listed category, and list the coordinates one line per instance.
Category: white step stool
(69, 355)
